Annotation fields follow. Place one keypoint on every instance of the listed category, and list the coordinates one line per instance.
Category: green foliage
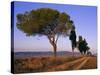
(83, 46)
(43, 21)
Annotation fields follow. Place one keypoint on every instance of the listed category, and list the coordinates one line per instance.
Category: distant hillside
(34, 54)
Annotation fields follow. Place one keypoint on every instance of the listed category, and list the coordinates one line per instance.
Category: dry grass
(41, 64)
(91, 63)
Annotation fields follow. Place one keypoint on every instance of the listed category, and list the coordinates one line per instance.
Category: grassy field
(60, 63)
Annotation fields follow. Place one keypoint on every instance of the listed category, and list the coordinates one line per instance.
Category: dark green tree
(83, 46)
(86, 47)
(45, 21)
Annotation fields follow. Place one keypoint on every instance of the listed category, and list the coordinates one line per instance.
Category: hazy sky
(84, 17)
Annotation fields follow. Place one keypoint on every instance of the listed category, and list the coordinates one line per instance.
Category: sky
(85, 21)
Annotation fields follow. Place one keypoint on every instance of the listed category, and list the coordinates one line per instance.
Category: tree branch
(51, 39)
(57, 38)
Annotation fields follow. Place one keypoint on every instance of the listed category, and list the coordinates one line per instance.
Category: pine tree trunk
(55, 49)
(54, 44)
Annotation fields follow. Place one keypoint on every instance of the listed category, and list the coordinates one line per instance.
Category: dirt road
(72, 65)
